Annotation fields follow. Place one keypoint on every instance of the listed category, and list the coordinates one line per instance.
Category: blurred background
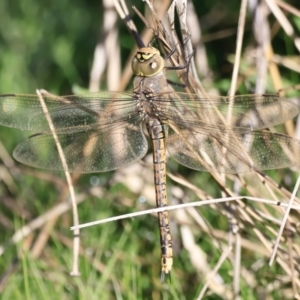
(64, 47)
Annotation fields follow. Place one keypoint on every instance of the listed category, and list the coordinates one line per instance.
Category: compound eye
(153, 65)
(147, 62)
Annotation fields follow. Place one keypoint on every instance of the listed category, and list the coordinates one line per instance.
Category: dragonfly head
(147, 62)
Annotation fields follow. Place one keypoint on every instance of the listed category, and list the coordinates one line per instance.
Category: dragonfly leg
(185, 66)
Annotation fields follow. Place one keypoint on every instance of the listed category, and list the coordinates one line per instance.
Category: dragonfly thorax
(147, 62)
(145, 104)
(151, 95)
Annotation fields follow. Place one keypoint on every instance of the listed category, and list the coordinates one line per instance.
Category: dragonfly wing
(84, 152)
(248, 111)
(68, 114)
(232, 151)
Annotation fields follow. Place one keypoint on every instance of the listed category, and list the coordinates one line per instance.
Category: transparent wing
(86, 151)
(246, 111)
(201, 130)
(82, 112)
(68, 113)
(229, 150)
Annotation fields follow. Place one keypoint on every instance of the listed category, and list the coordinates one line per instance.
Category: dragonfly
(103, 131)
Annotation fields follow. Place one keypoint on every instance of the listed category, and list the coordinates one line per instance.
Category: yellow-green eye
(147, 62)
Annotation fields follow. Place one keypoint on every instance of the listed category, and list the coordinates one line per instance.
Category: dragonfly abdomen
(157, 134)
